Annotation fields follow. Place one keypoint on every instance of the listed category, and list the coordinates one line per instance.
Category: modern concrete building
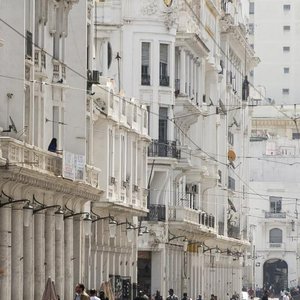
(273, 209)
(276, 39)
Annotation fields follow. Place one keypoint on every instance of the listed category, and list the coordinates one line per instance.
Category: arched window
(275, 235)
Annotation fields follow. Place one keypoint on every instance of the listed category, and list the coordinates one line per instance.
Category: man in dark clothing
(158, 296)
(172, 296)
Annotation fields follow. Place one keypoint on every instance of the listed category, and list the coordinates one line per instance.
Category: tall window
(275, 204)
(123, 158)
(145, 72)
(110, 153)
(286, 49)
(286, 7)
(285, 91)
(275, 235)
(163, 124)
(164, 65)
(251, 8)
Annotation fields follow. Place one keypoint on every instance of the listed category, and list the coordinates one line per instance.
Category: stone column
(192, 76)
(28, 262)
(182, 71)
(50, 244)
(39, 255)
(59, 258)
(5, 253)
(17, 252)
(187, 66)
(68, 259)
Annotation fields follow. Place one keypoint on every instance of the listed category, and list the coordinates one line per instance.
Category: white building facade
(273, 209)
(69, 201)
(275, 38)
(168, 55)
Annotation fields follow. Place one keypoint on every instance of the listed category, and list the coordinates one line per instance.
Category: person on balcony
(53, 145)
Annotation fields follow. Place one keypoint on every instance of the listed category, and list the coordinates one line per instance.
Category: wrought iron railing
(145, 79)
(163, 149)
(164, 80)
(157, 212)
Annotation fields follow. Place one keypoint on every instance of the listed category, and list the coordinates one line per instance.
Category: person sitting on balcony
(53, 145)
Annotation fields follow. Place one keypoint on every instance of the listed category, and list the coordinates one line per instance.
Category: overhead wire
(120, 97)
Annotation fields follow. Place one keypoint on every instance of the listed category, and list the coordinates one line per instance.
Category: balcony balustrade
(192, 216)
(27, 156)
(164, 149)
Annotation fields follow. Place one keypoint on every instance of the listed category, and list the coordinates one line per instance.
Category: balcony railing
(163, 149)
(275, 215)
(93, 176)
(21, 154)
(145, 79)
(157, 212)
(164, 80)
(193, 216)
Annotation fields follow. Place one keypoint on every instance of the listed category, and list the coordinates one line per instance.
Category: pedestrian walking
(185, 297)
(102, 296)
(80, 293)
(265, 296)
(93, 295)
(199, 297)
(158, 296)
(172, 296)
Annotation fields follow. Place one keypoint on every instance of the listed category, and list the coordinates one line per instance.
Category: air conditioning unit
(96, 76)
(136, 188)
(113, 180)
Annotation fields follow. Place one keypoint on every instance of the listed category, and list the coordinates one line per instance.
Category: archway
(276, 274)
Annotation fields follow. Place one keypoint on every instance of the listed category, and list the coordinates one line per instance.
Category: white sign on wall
(73, 166)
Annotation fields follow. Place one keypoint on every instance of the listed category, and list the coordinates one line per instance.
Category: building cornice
(51, 183)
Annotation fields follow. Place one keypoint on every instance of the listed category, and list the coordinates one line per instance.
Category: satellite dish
(11, 127)
(231, 155)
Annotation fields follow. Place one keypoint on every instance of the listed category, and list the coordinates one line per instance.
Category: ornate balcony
(192, 216)
(163, 149)
(273, 215)
(93, 176)
(27, 156)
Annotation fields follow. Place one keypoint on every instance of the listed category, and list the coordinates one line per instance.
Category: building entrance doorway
(144, 272)
(276, 275)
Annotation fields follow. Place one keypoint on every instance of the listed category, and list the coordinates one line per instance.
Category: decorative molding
(170, 16)
(149, 7)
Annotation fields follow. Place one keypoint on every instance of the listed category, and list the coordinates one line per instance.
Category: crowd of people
(263, 294)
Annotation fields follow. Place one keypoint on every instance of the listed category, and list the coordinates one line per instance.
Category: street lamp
(27, 208)
(112, 225)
